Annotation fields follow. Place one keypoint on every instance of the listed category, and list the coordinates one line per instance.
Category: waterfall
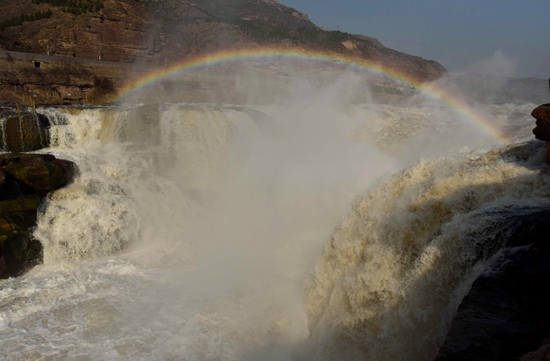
(301, 231)
(137, 165)
(395, 270)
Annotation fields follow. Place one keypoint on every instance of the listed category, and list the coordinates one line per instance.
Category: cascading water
(135, 174)
(190, 230)
(400, 263)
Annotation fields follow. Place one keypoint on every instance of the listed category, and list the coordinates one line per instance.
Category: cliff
(155, 32)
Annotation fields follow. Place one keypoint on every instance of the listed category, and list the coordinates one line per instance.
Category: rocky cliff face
(155, 32)
(25, 179)
(24, 77)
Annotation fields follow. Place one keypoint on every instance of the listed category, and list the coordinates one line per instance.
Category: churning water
(202, 232)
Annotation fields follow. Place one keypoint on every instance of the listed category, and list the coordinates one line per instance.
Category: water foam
(395, 270)
(190, 230)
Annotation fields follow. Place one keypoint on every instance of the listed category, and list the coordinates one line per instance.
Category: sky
(459, 34)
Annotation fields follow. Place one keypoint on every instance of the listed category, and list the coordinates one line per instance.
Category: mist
(205, 218)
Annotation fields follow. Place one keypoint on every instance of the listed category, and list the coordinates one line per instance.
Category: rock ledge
(24, 180)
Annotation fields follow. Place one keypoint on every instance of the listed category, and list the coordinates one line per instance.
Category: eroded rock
(23, 131)
(542, 130)
(37, 173)
(24, 180)
(542, 112)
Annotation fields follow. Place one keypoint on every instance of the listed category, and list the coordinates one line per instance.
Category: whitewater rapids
(201, 232)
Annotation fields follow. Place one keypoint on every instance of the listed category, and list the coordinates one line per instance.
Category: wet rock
(19, 252)
(542, 130)
(23, 131)
(24, 180)
(36, 173)
(506, 315)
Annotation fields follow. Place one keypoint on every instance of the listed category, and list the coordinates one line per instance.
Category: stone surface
(542, 112)
(19, 253)
(542, 130)
(168, 31)
(506, 315)
(25, 178)
(23, 131)
(40, 173)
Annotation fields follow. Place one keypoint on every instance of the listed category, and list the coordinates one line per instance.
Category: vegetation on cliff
(302, 35)
(163, 32)
(17, 20)
(74, 6)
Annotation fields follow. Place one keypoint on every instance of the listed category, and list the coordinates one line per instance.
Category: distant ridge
(158, 31)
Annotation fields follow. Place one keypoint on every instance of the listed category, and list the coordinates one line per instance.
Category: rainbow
(472, 115)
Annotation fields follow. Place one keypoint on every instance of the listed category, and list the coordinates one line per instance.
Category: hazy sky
(456, 33)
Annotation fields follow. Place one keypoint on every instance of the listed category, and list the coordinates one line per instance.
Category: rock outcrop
(24, 180)
(23, 131)
(542, 130)
(542, 112)
(506, 315)
(89, 55)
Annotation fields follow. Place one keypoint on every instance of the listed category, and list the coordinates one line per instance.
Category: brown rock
(542, 130)
(23, 131)
(26, 178)
(24, 134)
(18, 253)
(542, 112)
(40, 173)
(168, 31)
